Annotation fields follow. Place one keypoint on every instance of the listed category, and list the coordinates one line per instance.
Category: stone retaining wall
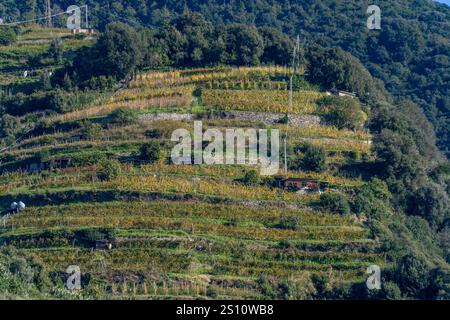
(295, 120)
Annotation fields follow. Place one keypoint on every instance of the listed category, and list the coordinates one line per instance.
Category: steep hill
(87, 149)
(410, 53)
(185, 231)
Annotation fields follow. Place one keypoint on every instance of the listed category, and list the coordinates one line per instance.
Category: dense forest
(392, 72)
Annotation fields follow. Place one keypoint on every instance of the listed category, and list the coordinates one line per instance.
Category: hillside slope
(184, 231)
(102, 192)
(410, 53)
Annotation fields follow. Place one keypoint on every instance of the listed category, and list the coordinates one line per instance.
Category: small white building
(342, 93)
(88, 31)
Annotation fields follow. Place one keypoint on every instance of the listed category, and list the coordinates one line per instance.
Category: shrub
(89, 159)
(7, 36)
(90, 131)
(413, 276)
(289, 222)
(372, 198)
(335, 202)
(251, 178)
(343, 112)
(123, 116)
(300, 287)
(313, 158)
(154, 133)
(391, 291)
(431, 202)
(150, 152)
(43, 156)
(355, 155)
(212, 292)
(20, 267)
(9, 126)
(267, 286)
(284, 120)
(110, 169)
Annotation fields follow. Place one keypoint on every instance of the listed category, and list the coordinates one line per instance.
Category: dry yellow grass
(159, 102)
(262, 100)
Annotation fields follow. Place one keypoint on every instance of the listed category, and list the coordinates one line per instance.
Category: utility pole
(295, 67)
(87, 21)
(49, 13)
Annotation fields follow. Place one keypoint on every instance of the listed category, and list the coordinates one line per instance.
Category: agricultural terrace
(192, 232)
(33, 43)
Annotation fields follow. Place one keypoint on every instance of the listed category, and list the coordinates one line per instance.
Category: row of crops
(303, 102)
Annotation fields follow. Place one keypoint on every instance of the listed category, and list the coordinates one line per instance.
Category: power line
(18, 139)
(46, 17)
(37, 19)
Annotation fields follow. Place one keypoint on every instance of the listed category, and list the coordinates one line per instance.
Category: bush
(153, 133)
(9, 126)
(266, 285)
(289, 222)
(212, 292)
(89, 159)
(431, 202)
(391, 291)
(150, 152)
(7, 36)
(343, 112)
(251, 178)
(413, 276)
(43, 156)
(300, 287)
(335, 202)
(123, 116)
(313, 158)
(90, 131)
(110, 169)
(355, 155)
(20, 267)
(372, 198)
(284, 120)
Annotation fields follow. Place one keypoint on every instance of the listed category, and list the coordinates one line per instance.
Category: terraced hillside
(185, 231)
(33, 41)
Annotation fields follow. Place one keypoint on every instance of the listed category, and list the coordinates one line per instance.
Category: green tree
(109, 169)
(413, 276)
(333, 68)
(117, 52)
(90, 131)
(343, 112)
(150, 152)
(278, 47)
(7, 36)
(372, 198)
(9, 126)
(244, 45)
(310, 158)
(197, 34)
(335, 202)
(251, 178)
(56, 50)
(431, 202)
(123, 116)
